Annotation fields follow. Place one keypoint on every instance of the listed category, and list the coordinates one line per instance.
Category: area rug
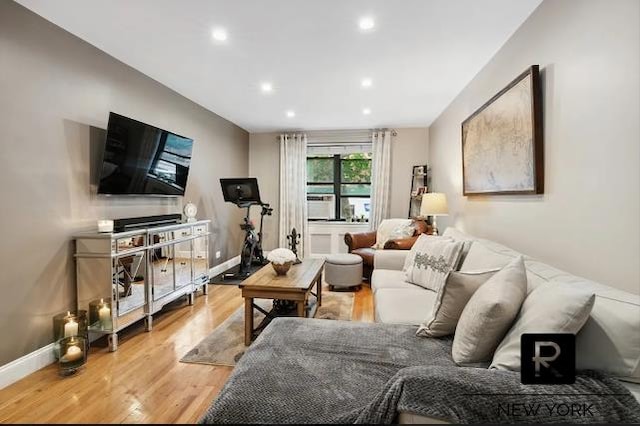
(225, 345)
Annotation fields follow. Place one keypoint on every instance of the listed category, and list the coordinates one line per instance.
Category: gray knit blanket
(322, 371)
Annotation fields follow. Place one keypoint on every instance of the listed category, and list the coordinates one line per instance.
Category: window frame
(337, 185)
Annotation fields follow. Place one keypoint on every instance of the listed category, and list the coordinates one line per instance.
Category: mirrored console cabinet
(124, 277)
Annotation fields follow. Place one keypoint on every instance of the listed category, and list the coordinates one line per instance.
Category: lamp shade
(434, 204)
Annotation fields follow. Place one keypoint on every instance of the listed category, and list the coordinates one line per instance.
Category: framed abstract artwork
(502, 142)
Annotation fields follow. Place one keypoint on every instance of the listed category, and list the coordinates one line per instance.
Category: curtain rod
(336, 133)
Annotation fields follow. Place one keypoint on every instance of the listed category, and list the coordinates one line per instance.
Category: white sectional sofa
(609, 341)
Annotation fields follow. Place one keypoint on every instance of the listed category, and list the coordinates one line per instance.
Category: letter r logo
(545, 360)
(548, 358)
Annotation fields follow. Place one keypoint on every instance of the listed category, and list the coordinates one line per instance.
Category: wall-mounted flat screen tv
(140, 159)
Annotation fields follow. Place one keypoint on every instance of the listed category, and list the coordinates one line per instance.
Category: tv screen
(140, 159)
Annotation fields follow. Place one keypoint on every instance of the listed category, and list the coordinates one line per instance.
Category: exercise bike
(252, 253)
(244, 193)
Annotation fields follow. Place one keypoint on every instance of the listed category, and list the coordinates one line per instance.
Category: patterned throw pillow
(430, 261)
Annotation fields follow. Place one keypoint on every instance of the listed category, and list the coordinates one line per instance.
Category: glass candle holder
(73, 354)
(69, 324)
(101, 315)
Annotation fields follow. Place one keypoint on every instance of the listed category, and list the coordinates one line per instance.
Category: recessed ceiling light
(219, 34)
(366, 82)
(366, 23)
(291, 114)
(366, 111)
(266, 87)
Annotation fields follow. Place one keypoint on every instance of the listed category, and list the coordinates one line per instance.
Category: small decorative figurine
(294, 240)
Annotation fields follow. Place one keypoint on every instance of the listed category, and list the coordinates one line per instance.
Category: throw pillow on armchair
(363, 243)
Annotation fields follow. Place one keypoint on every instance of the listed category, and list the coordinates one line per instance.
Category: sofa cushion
(610, 339)
(387, 227)
(390, 259)
(484, 256)
(432, 260)
(467, 240)
(487, 255)
(408, 306)
(489, 315)
(387, 278)
(550, 308)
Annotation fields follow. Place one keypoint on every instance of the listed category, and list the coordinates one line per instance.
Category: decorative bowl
(281, 269)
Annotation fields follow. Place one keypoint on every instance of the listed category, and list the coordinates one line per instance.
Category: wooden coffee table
(295, 286)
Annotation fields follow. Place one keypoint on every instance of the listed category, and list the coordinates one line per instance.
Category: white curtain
(380, 177)
(293, 190)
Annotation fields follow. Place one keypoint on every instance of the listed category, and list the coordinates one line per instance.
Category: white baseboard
(218, 269)
(23, 366)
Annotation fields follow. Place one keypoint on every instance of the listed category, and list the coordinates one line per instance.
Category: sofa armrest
(389, 259)
(401, 243)
(360, 240)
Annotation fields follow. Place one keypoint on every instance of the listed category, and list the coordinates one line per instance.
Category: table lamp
(434, 204)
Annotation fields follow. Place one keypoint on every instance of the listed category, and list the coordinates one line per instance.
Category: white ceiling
(420, 54)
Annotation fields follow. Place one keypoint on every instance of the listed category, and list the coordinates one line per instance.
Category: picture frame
(502, 141)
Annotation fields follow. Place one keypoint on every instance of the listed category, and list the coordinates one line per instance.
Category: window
(344, 181)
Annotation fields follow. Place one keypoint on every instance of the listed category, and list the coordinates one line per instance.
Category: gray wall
(264, 164)
(410, 147)
(56, 94)
(587, 222)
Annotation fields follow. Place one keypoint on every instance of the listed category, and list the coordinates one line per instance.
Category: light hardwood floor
(142, 382)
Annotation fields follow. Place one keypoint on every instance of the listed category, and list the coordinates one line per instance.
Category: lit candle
(105, 226)
(74, 352)
(104, 314)
(71, 327)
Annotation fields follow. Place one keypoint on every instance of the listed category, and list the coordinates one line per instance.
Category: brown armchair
(361, 243)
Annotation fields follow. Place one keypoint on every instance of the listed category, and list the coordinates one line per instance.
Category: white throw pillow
(385, 229)
(550, 308)
(450, 302)
(431, 261)
(489, 315)
(402, 231)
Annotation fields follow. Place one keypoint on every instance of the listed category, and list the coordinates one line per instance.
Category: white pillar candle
(71, 327)
(74, 353)
(104, 314)
(105, 226)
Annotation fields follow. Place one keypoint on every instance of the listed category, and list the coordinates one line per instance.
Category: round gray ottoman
(343, 270)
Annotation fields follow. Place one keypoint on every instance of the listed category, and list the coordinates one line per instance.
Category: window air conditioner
(321, 206)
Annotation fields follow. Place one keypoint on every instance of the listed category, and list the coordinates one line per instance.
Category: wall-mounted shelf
(419, 184)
